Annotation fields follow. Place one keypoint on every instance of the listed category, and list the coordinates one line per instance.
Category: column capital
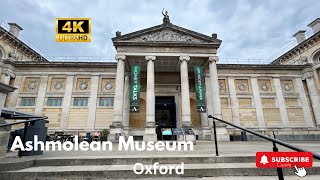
(213, 58)
(9, 73)
(184, 58)
(307, 75)
(120, 57)
(152, 58)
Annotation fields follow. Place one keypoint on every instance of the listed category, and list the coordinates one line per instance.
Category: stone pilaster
(126, 105)
(41, 94)
(93, 102)
(150, 131)
(185, 96)
(222, 134)
(67, 102)
(313, 94)
(12, 98)
(304, 103)
(234, 101)
(116, 126)
(257, 102)
(281, 102)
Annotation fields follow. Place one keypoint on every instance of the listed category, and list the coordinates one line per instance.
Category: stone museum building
(88, 96)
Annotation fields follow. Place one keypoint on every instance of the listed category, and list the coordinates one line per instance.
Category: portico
(166, 54)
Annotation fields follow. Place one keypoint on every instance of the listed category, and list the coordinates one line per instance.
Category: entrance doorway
(165, 115)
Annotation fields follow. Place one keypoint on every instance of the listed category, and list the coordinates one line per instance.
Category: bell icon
(264, 160)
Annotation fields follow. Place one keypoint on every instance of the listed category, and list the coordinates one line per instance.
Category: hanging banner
(199, 87)
(135, 89)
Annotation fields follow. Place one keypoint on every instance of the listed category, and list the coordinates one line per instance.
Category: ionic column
(215, 86)
(126, 108)
(150, 131)
(313, 94)
(93, 102)
(222, 134)
(116, 126)
(185, 96)
(281, 103)
(41, 94)
(67, 102)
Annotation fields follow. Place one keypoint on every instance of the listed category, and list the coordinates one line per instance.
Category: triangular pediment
(165, 34)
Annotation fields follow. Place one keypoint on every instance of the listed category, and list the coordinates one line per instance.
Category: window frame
(106, 98)
(27, 105)
(80, 105)
(51, 98)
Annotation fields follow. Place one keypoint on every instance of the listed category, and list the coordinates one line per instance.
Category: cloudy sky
(248, 28)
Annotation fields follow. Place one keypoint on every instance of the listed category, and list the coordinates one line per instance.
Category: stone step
(126, 171)
(120, 160)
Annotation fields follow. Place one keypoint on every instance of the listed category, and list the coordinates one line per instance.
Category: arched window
(316, 57)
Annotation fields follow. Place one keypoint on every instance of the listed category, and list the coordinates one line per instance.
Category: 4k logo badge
(73, 29)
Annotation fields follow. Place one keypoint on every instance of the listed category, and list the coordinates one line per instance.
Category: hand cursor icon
(301, 172)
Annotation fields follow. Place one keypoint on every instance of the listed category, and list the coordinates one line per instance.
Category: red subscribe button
(283, 159)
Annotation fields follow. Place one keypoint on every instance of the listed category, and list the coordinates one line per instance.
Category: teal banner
(135, 89)
(199, 87)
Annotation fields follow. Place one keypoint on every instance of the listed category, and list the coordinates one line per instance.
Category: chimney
(14, 29)
(315, 25)
(300, 36)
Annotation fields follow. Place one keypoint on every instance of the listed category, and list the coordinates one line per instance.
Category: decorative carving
(108, 86)
(184, 58)
(9, 73)
(83, 85)
(307, 75)
(264, 87)
(32, 85)
(58, 85)
(120, 57)
(221, 87)
(242, 87)
(287, 87)
(167, 35)
(150, 58)
(213, 58)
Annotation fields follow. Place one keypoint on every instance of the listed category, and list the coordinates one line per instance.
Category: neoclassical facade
(282, 96)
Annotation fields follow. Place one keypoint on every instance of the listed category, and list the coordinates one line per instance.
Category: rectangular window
(108, 102)
(27, 101)
(80, 102)
(54, 102)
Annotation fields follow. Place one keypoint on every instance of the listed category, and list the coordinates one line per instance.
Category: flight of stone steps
(121, 167)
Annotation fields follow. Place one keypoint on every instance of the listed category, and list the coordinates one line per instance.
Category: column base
(115, 131)
(150, 134)
(222, 134)
(186, 124)
(205, 134)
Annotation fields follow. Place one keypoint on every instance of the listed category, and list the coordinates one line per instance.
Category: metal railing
(273, 140)
(5, 26)
(30, 120)
(244, 61)
(81, 59)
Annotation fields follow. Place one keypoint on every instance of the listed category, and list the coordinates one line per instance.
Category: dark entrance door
(165, 114)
